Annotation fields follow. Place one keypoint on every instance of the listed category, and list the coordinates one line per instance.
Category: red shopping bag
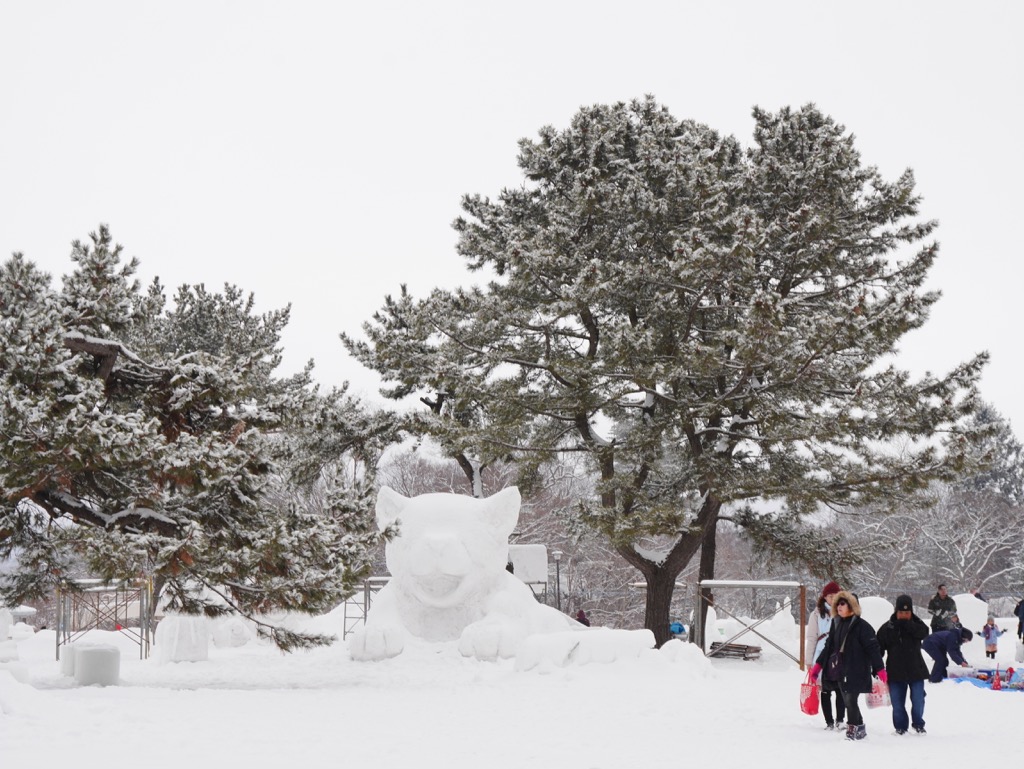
(810, 696)
(878, 697)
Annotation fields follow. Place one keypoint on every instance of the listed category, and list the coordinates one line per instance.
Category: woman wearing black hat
(850, 658)
(900, 640)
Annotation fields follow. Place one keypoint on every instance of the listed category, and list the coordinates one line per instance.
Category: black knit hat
(904, 603)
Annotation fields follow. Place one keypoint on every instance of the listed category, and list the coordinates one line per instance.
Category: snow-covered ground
(252, 706)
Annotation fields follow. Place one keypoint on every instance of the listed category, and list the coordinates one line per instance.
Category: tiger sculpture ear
(389, 504)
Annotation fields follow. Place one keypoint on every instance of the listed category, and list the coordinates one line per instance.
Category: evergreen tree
(144, 442)
(707, 325)
(1001, 459)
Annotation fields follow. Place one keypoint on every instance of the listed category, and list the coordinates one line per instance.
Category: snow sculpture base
(99, 664)
(181, 638)
(448, 579)
(575, 648)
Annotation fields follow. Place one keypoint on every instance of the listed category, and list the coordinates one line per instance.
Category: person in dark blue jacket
(850, 658)
(943, 646)
(900, 639)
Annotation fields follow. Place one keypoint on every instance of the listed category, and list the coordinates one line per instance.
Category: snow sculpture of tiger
(448, 579)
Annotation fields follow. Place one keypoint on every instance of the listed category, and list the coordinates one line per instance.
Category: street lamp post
(557, 555)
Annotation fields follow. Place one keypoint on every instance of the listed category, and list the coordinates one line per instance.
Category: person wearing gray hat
(900, 640)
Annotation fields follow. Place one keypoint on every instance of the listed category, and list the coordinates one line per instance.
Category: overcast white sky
(314, 153)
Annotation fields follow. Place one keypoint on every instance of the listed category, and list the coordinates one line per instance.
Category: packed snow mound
(231, 633)
(8, 651)
(688, 656)
(17, 697)
(581, 648)
(876, 611)
(973, 613)
(21, 630)
(448, 579)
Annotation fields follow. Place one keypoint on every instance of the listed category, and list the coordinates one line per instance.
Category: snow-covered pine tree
(708, 325)
(144, 442)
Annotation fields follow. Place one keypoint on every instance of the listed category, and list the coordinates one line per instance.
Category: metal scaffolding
(800, 589)
(95, 604)
(357, 605)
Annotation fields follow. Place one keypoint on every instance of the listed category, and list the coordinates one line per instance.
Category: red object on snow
(997, 682)
(810, 696)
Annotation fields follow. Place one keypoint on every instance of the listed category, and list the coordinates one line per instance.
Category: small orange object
(996, 681)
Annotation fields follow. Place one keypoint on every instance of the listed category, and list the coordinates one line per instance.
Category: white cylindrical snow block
(100, 664)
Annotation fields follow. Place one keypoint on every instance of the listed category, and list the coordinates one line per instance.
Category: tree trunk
(706, 571)
(661, 584)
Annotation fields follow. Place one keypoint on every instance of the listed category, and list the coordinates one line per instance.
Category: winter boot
(851, 732)
(861, 732)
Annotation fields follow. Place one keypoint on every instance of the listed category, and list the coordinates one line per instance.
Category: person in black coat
(858, 658)
(942, 607)
(900, 640)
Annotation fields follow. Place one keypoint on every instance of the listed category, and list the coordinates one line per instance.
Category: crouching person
(900, 640)
(850, 658)
(943, 646)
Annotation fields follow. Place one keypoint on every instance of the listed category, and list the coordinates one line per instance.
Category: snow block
(181, 638)
(6, 621)
(99, 664)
